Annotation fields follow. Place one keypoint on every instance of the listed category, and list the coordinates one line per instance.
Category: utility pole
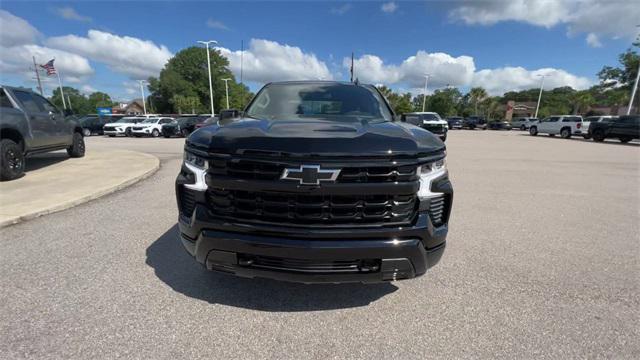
(351, 66)
(64, 103)
(144, 103)
(424, 96)
(241, 70)
(69, 102)
(206, 43)
(539, 95)
(226, 90)
(35, 68)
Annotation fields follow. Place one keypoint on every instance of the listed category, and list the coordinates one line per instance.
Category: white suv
(522, 123)
(122, 126)
(150, 126)
(564, 125)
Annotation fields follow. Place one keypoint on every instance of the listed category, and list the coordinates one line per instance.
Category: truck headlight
(429, 172)
(198, 166)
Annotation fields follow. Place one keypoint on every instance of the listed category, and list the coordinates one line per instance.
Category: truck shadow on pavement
(183, 274)
(39, 161)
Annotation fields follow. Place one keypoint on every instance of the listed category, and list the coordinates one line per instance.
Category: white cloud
(389, 7)
(593, 40)
(342, 9)
(216, 24)
(501, 80)
(266, 61)
(87, 89)
(443, 68)
(131, 56)
(15, 31)
(18, 60)
(601, 17)
(70, 13)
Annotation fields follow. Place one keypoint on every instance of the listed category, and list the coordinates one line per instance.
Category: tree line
(183, 87)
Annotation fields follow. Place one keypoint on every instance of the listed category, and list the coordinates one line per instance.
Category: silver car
(522, 123)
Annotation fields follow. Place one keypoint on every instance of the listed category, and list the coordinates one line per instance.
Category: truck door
(61, 127)
(42, 131)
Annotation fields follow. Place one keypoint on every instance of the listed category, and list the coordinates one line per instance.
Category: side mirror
(230, 114)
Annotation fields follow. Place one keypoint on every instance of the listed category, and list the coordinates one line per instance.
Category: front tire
(598, 136)
(155, 133)
(76, 149)
(127, 132)
(565, 133)
(185, 132)
(523, 128)
(11, 160)
(86, 132)
(533, 131)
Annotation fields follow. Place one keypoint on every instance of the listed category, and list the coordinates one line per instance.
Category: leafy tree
(401, 103)
(626, 73)
(444, 101)
(581, 100)
(186, 75)
(75, 101)
(100, 99)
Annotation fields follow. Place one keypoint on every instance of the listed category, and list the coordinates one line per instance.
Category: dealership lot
(542, 260)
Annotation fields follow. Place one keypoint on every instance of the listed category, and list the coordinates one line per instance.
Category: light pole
(206, 43)
(539, 95)
(424, 96)
(633, 92)
(144, 103)
(226, 89)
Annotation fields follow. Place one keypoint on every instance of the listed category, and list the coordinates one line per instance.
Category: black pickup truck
(30, 124)
(315, 181)
(625, 128)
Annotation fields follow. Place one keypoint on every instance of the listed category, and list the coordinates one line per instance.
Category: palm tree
(477, 95)
(581, 100)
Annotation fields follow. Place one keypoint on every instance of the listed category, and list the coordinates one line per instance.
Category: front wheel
(565, 133)
(11, 160)
(598, 136)
(76, 149)
(128, 132)
(523, 128)
(533, 131)
(185, 132)
(155, 133)
(86, 132)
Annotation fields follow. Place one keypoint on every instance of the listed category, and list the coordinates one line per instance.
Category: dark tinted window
(27, 101)
(629, 119)
(4, 100)
(45, 104)
(327, 101)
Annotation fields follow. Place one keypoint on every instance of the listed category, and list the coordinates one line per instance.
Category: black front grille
(137, 128)
(264, 170)
(434, 128)
(311, 266)
(310, 210)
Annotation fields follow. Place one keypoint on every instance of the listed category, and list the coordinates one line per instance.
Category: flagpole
(64, 103)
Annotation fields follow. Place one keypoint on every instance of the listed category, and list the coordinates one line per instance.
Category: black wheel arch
(13, 134)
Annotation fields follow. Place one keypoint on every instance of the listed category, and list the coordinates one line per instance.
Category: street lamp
(226, 89)
(206, 43)
(144, 105)
(424, 96)
(540, 94)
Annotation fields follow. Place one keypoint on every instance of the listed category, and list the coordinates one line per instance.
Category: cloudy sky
(499, 45)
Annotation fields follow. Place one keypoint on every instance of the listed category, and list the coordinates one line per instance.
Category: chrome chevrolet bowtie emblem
(310, 174)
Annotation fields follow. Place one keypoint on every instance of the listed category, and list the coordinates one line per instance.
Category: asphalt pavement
(543, 260)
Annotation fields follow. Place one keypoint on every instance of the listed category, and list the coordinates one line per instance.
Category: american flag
(49, 67)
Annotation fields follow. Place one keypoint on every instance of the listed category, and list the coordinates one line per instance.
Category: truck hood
(315, 137)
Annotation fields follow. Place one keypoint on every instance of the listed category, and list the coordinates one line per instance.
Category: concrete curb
(71, 203)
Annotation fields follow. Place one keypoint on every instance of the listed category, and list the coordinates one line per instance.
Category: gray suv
(30, 124)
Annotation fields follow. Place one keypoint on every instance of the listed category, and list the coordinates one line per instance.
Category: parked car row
(625, 128)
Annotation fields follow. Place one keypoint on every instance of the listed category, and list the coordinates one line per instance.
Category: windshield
(335, 102)
(430, 117)
(150, 121)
